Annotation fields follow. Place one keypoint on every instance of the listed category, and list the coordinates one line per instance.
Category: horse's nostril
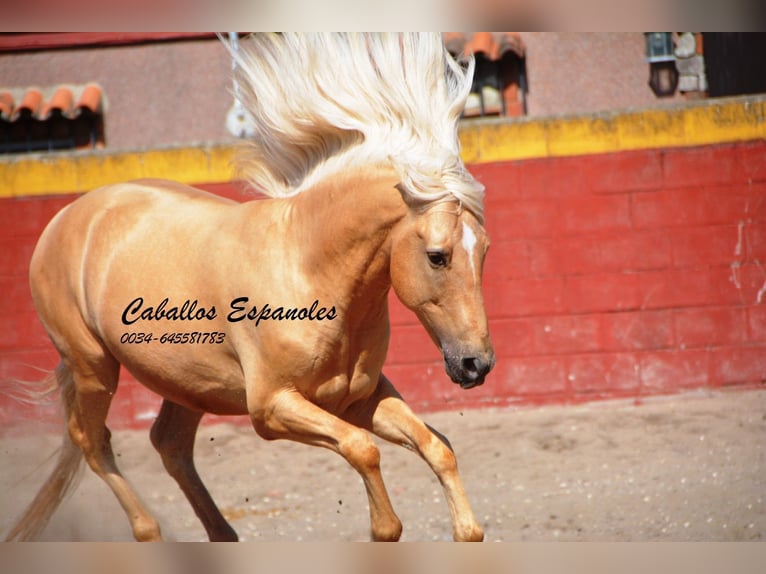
(470, 364)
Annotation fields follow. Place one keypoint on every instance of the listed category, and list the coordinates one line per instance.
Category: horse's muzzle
(468, 371)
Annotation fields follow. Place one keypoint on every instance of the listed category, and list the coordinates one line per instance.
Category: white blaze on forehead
(469, 242)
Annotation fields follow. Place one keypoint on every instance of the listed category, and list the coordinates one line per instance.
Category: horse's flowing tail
(63, 478)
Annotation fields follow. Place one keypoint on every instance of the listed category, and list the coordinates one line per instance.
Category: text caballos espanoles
(239, 310)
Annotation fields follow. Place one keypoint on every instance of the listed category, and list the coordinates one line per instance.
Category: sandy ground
(672, 469)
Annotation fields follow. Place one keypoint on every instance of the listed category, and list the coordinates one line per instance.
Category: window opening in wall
(500, 80)
(62, 117)
(735, 63)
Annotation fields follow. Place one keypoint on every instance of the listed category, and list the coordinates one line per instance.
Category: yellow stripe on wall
(45, 174)
(702, 123)
(483, 141)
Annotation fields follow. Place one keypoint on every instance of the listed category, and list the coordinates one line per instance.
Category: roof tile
(61, 102)
(6, 105)
(90, 99)
(497, 80)
(29, 105)
(40, 104)
(493, 45)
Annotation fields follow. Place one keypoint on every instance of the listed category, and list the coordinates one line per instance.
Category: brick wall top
(483, 141)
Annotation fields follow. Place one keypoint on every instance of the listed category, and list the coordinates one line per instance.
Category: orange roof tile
(30, 103)
(90, 98)
(61, 101)
(6, 105)
(40, 104)
(493, 45)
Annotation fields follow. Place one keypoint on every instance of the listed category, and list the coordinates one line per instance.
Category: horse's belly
(207, 382)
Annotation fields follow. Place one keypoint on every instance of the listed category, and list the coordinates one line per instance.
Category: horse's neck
(344, 226)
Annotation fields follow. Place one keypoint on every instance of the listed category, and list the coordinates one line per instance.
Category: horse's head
(437, 259)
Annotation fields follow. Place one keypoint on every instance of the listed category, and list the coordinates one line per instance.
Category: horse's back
(108, 227)
(134, 199)
(104, 217)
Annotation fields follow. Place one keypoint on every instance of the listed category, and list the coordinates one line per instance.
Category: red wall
(617, 275)
(625, 274)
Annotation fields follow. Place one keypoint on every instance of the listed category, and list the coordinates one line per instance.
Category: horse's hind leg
(389, 417)
(95, 377)
(173, 436)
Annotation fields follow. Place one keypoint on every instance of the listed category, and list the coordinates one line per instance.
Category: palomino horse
(278, 308)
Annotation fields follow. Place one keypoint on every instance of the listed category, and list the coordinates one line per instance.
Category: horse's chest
(338, 392)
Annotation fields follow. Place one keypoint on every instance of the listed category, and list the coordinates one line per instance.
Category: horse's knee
(442, 458)
(360, 451)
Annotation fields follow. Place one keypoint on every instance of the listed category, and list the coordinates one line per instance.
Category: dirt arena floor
(672, 469)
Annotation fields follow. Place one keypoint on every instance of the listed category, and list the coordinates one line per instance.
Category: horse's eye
(437, 258)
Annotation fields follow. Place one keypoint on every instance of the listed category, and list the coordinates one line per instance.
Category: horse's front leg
(287, 415)
(389, 417)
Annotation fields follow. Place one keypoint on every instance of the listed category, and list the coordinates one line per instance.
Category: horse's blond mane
(321, 102)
